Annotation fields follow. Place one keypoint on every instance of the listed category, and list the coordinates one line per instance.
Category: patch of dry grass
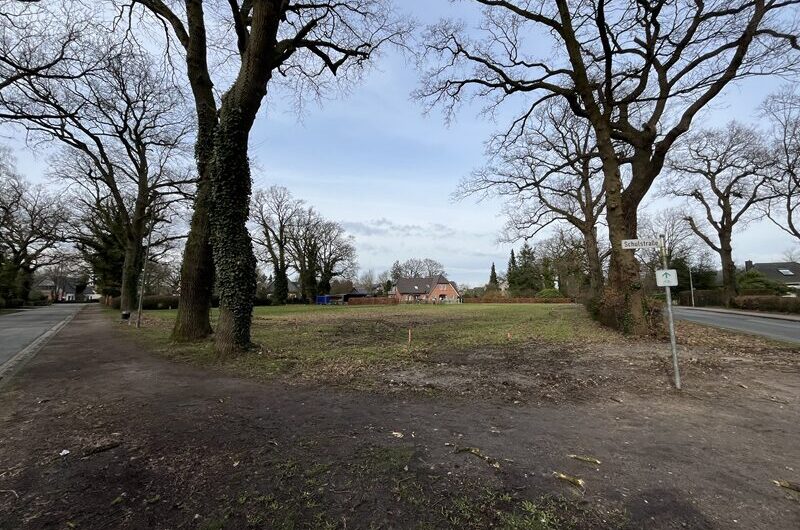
(341, 342)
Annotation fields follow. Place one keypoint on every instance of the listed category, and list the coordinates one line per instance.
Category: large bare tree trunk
(624, 278)
(729, 290)
(280, 285)
(197, 273)
(24, 281)
(131, 267)
(233, 249)
(594, 264)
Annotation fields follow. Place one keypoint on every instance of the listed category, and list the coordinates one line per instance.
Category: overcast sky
(375, 163)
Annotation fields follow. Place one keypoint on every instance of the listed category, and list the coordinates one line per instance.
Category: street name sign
(633, 244)
(667, 278)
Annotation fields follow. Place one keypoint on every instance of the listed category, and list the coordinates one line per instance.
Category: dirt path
(155, 444)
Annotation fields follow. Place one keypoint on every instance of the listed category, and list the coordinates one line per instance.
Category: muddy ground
(471, 440)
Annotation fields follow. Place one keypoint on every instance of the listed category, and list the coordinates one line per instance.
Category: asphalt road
(18, 330)
(784, 330)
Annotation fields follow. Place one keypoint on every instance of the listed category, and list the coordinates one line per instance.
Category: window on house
(786, 272)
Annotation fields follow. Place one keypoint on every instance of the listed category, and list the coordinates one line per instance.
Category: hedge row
(151, 303)
(521, 300)
(702, 297)
(780, 304)
(373, 301)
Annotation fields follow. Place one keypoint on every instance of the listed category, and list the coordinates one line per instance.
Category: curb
(772, 316)
(13, 365)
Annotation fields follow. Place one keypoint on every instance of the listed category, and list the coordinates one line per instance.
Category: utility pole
(668, 292)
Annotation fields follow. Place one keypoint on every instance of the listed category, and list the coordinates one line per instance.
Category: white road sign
(667, 278)
(633, 244)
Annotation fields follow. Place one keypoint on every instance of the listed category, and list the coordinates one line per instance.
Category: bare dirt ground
(458, 439)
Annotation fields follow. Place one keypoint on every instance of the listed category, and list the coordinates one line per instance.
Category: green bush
(549, 293)
(753, 280)
(781, 304)
(15, 302)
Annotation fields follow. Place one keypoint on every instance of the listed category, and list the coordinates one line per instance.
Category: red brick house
(434, 289)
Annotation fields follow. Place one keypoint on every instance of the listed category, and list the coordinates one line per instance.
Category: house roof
(293, 287)
(787, 272)
(69, 286)
(420, 285)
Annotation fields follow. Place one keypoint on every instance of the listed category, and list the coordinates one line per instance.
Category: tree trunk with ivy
(233, 249)
(131, 269)
(329, 36)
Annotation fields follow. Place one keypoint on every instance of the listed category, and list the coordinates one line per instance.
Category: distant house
(433, 289)
(787, 272)
(67, 290)
(294, 289)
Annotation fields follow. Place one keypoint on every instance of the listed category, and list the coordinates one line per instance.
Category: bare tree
(416, 268)
(638, 72)
(304, 251)
(783, 111)
(33, 223)
(39, 39)
(320, 251)
(367, 281)
(122, 128)
(275, 212)
(680, 241)
(551, 173)
(306, 43)
(725, 173)
(337, 255)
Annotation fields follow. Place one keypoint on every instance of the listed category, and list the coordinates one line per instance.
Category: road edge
(770, 316)
(13, 365)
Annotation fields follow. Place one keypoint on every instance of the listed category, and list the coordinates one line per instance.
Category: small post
(691, 284)
(668, 293)
(409, 336)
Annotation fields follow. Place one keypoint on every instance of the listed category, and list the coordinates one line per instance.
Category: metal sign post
(669, 278)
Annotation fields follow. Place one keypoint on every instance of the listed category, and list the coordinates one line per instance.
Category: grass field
(300, 340)
(553, 352)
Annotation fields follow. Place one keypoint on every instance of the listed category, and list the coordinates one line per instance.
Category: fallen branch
(788, 485)
(100, 448)
(575, 481)
(588, 459)
(477, 452)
